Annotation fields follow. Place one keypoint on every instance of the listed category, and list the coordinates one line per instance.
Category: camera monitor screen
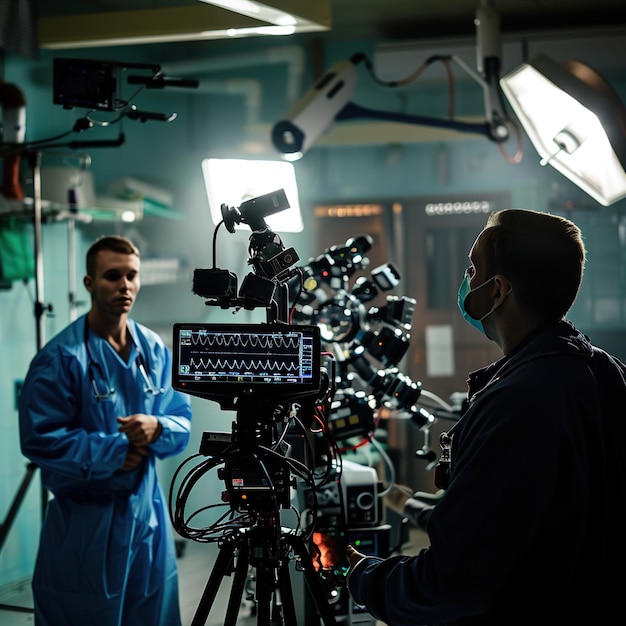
(84, 83)
(246, 360)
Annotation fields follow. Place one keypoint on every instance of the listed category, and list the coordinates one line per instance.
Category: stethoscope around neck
(93, 368)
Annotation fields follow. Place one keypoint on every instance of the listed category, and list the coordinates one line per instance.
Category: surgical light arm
(329, 99)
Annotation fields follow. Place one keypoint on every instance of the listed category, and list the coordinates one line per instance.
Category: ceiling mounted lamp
(284, 17)
(575, 120)
(189, 21)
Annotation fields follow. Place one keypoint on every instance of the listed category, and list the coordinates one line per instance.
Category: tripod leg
(224, 559)
(285, 603)
(265, 586)
(236, 591)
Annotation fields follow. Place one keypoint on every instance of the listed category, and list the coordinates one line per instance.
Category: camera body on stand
(318, 373)
(275, 378)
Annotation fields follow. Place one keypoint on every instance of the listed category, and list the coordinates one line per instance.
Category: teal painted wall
(213, 122)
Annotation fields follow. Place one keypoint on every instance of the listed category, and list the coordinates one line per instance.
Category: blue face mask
(464, 291)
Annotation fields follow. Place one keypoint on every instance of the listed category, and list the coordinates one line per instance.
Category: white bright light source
(233, 181)
(257, 10)
(128, 216)
(576, 122)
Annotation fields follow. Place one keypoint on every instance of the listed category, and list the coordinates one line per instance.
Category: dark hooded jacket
(532, 526)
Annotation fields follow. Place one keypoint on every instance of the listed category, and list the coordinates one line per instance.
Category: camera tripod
(273, 579)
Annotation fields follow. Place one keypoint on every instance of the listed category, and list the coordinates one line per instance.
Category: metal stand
(35, 159)
(273, 579)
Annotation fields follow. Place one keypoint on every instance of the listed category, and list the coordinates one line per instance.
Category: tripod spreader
(242, 549)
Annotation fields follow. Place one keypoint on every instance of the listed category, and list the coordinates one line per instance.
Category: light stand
(40, 308)
(35, 161)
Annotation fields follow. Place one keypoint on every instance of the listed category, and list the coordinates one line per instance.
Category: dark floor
(195, 565)
(194, 568)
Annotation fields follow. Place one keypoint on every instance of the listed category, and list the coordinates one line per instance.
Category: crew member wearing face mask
(533, 502)
(465, 290)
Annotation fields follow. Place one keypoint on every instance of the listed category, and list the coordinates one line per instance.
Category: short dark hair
(524, 246)
(115, 243)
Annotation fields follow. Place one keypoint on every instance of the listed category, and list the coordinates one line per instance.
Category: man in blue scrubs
(96, 411)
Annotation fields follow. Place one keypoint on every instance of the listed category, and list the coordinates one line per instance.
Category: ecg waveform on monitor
(252, 342)
(245, 356)
(245, 365)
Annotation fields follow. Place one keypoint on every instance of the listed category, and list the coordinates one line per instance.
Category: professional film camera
(308, 386)
(274, 376)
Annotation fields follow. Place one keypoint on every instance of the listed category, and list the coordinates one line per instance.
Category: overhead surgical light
(575, 120)
(209, 19)
(257, 10)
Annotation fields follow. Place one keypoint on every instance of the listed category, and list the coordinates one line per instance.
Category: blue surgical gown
(106, 555)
